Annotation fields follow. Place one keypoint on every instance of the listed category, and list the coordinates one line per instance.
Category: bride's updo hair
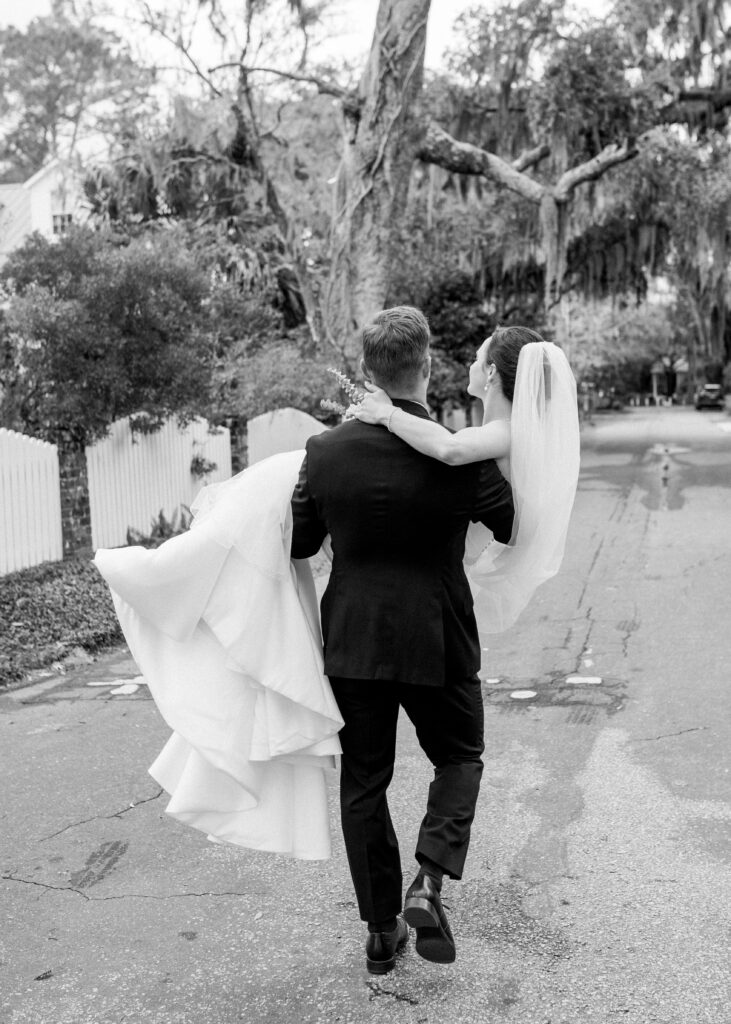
(504, 352)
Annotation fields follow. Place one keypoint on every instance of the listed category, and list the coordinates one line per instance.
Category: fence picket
(30, 502)
(134, 477)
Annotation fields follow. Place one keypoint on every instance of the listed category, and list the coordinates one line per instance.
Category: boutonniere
(354, 393)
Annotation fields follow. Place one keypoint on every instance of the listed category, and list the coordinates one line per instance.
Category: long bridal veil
(544, 470)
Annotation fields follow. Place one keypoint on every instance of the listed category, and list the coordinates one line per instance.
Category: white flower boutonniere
(354, 393)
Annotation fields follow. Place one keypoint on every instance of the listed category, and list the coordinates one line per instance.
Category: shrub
(162, 528)
(94, 331)
(200, 466)
(275, 377)
(47, 611)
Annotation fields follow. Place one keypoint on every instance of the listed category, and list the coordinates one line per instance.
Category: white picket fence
(134, 477)
(30, 502)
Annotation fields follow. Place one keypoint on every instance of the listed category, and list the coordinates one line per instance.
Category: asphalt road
(598, 884)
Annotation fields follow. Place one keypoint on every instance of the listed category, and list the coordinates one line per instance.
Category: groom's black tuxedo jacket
(398, 605)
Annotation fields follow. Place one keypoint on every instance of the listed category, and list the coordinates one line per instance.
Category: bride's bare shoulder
(497, 434)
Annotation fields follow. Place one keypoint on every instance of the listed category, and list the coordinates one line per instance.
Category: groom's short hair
(395, 345)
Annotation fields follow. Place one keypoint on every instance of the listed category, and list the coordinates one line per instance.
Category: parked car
(709, 396)
(609, 399)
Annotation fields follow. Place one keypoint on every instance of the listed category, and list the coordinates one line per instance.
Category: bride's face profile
(478, 372)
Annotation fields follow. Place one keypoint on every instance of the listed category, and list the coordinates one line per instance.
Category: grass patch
(48, 610)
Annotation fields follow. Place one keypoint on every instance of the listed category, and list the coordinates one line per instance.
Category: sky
(355, 20)
(361, 15)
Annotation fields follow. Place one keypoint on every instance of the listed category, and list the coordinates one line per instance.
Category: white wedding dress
(225, 629)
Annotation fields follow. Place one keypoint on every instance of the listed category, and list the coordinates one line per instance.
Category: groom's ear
(426, 369)
(365, 371)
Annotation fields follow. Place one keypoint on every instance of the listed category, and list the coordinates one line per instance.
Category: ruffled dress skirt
(225, 629)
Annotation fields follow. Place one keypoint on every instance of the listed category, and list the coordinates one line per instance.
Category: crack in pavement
(621, 504)
(377, 990)
(589, 572)
(584, 644)
(627, 627)
(104, 817)
(121, 896)
(667, 735)
(44, 885)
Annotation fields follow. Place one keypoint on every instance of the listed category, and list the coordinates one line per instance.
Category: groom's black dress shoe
(423, 911)
(382, 947)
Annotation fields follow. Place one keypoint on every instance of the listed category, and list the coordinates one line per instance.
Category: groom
(399, 631)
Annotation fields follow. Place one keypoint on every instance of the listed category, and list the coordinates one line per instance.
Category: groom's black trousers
(449, 723)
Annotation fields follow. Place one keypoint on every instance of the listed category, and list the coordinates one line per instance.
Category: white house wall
(41, 212)
(30, 206)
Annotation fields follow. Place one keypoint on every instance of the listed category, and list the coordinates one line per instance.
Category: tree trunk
(553, 219)
(382, 134)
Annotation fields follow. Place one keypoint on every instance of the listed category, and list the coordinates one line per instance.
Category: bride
(530, 426)
(225, 626)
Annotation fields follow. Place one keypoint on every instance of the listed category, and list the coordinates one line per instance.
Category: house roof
(51, 166)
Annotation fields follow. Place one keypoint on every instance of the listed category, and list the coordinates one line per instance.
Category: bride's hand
(375, 408)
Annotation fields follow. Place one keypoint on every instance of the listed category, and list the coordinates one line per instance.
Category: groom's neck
(413, 395)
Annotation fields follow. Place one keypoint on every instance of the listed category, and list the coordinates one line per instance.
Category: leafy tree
(187, 169)
(493, 68)
(99, 331)
(591, 97)
(429, 277)
(190, 174)
(612, 344)
(280, 375)
(534, 125)
(94, 331)
(684, 188)
(62, 79)
(516, 60)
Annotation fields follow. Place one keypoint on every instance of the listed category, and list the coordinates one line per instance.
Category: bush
(94, 331)
(162, 528)
(274, 377)
(47, 611)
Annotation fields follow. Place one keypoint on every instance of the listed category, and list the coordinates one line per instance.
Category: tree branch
(149, 21)
(531, 157)
(327, 88)
(270, 133)
(718, 98)
(440, 148)
(686, 106)
(610, 156)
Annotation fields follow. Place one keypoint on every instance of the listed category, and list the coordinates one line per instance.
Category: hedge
(47, 611)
